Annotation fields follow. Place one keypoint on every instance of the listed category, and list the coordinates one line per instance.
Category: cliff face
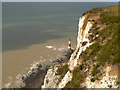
(85, 24)
(85, 68)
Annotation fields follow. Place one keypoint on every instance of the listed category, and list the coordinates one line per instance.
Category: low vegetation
(94, 11)
(78, 78)
(106, 18)
(95, 70)
(105, 47)
(62, 71)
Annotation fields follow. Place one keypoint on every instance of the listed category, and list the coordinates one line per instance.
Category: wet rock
(47, 67)
(23, 78)
(68, 54)
(39, 65)
(63, 59)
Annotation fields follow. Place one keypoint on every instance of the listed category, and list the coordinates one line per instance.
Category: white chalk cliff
(83, 28)
(52, 79)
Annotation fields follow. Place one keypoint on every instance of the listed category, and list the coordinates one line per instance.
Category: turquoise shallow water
(25, 24)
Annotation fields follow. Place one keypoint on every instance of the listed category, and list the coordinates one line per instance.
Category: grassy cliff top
(105, 48)
(111, 10)
(104, 51)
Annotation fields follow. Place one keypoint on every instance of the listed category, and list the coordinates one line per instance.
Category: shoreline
(35, 77)
(25, 58)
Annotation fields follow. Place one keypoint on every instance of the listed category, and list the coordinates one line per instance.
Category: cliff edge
(95, 61)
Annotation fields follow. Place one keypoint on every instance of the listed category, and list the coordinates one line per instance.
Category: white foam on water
(41, 57)
(33, 68)
(50, 60)
(10, 78)
(55, 49)
(18, 76)
(7, 85)
(27, 68)
(50, 47)
(61, 49)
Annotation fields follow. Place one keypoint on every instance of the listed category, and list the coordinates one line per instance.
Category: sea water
(37, 32)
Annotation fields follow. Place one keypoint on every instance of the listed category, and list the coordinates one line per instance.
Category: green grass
(77, 79)
(94, 10)
(109, 15)
(111, 47)
(95, 70)
(106, 18)
(94, 25)
(108, 52)
(104, 49)
(62, 71)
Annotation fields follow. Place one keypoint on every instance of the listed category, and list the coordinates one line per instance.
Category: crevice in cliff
(85, 24)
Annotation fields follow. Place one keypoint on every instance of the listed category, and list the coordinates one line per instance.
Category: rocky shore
(37, 80)
(35, 77)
